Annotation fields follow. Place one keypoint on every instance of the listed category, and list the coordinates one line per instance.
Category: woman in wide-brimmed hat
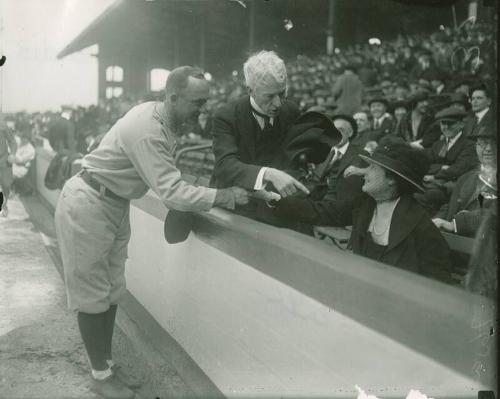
(388, 225)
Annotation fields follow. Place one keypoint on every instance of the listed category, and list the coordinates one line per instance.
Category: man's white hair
(264, 68)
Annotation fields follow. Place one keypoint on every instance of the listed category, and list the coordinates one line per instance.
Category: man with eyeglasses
(250, 133)
(450, 157)
(474, 191)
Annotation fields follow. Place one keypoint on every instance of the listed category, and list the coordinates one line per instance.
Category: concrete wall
(267, 312)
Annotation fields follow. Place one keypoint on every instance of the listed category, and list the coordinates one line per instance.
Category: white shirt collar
(452, 141)
(343, 149)
(481, 114)
(258, 118)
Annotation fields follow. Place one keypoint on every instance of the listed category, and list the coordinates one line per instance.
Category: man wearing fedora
(249, 134)
(388, 224)
(474, 191)
(450, 157)
(342, 156)
(382, 121)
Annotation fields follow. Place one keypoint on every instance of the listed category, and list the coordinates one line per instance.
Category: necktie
(267, 119)
(444, 149)
(474, 125)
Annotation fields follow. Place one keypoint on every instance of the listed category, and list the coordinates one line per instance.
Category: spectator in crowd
(388, 225)
(61, 134)
(363, 126)
(459, 101)
(203, 127)
(348, 91)
(415, 126)
(92, 213)
(25, 154)
(474, 191)
(8, 148)
(343, 155)
(450, 158)
(249, 133)
(438, 80)
(382, 121)
(482, 115)
(399, 110)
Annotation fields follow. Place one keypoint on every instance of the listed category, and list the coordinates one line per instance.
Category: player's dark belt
(87, 178)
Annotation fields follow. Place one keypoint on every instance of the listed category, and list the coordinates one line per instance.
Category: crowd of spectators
(391, 87)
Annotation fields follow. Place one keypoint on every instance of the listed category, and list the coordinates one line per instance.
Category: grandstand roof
(146, 28)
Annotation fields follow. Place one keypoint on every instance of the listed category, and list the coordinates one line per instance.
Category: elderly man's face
(479, 101)
(345, 129)
(362, 121)
(191, 101)
(269, 97)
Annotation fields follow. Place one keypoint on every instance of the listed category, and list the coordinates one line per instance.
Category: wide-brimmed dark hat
(397, 156)
(378, 99)
(349, 120)
(459, 98)
(312, 135)
(485, 131)
(450, 114)
(399, 104)
(419, 95)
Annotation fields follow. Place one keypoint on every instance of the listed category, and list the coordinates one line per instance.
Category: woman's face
(376, 181)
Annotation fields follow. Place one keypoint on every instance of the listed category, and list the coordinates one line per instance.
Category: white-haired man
(249, 133)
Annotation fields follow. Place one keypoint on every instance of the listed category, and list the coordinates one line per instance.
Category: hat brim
(371, 160)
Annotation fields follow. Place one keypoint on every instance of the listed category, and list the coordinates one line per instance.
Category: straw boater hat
(394, 154)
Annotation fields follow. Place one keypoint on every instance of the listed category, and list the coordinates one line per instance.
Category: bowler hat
(450, 114)
(312, 135)
(378, 99)
(397, 156)
(177, 226)
(350, 120)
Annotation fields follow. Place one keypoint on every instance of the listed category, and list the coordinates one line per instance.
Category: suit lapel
(247, 122)
(404, 220)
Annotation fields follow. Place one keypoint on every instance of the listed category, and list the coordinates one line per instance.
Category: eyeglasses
(447, 122)
(484, 142)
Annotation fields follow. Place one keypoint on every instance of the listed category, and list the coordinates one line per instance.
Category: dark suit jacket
(427, 131)
(464, 204)
(234, 143)
(487, 121)
(383, 130)
(415, 243)
(339, 187)
(460, 158)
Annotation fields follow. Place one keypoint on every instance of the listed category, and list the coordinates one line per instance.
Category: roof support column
(330, 45)
(177, 45)
(203, 36)
(251, 26)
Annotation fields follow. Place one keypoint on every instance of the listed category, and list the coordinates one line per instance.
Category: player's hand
(240, 195)
(11, 159)
(442, 224)
(230, 197)
(285, 184)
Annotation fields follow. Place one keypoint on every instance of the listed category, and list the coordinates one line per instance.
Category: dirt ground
(41, 353)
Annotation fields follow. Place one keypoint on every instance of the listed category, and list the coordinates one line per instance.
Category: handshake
(282, 182)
